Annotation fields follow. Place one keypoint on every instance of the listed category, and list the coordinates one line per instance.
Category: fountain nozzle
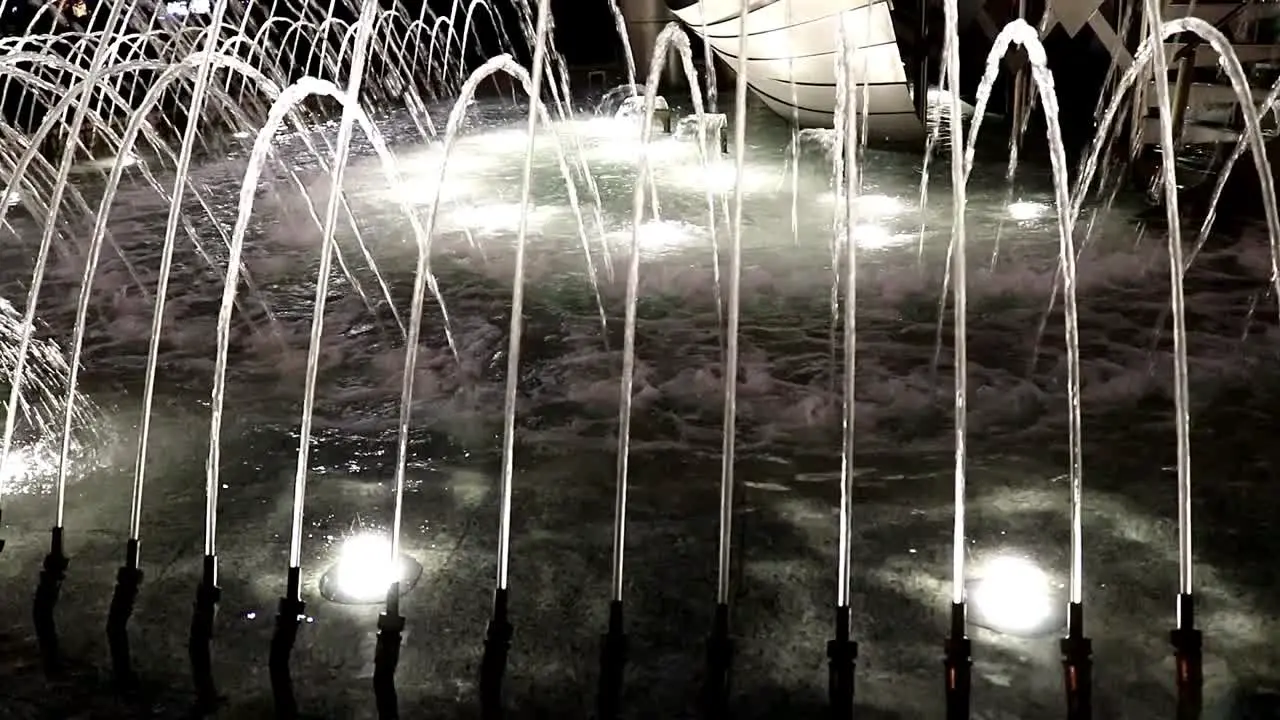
(386, 656)
(497, 642)
(123, 598)
(1077, 665)
(842, 657)
(206, 607)
(958, 662)
(1188, 659)
(613, 663)
(719, 666)
(288, 619)
(47, 592)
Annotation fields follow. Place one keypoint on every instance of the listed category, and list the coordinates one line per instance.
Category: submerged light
(1012, 595)
(1024, 210)
(364, 571)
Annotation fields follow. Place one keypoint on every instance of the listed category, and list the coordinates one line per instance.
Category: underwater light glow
(718, 175)
(658, 237)
(1013, 596)
(422, 191)
(496, 217)
(868, 206)
(1023, 210)
(365, 571)
(873, 237)
(878, 206)
(28, 471)
(107, 163)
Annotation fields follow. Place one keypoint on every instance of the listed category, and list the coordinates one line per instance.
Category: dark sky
(585, 31)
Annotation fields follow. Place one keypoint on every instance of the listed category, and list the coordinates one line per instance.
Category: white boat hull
(792, 52)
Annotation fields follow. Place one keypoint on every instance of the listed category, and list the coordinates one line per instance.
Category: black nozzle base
(715, 695)
(613, 663)
(1077, 666)
(958, 664)
(289, 616)
(842, 657)
(493, 665)
(1188, 655)
(123, 599)
(386, 656)
(208, 594)
(48, 590)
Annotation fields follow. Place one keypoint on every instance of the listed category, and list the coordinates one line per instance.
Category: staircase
(1212, 111)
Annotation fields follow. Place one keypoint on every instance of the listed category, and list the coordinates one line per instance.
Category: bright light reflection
(364, 571)
(420, 174)
(507, 141)
(718, 176)
(1023, 210)
(937, 96)
(873, 237)
(11, 199)
(422, 191)
(659, 236)
(870, 206)
(497, 217)
(623, 146)
(126, 160)
(1013, 595)
(25, 469)
(15, 468)
(878, 206)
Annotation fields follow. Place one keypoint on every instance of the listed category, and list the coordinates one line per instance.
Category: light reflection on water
(788, 364)
(788, 398)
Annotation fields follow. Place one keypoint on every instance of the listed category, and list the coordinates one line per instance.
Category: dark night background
(584, 30)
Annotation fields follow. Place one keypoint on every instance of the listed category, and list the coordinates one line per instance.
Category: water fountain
(329, 104)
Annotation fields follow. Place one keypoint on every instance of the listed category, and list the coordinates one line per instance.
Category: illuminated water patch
(1013, 596)
(1026, 211)
(875, 207)
(497, 217)
(105, 164)
(364, 571)
(660, 236)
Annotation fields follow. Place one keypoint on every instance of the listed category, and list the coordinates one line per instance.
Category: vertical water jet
(129, 576)
(497, 641)
(842, 650)
(957, 648)
(1185, 637)
(719, 642)
(291, 609)
(613, 652)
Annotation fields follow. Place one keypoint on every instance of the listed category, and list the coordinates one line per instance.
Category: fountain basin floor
(784, 586)
(788, 433)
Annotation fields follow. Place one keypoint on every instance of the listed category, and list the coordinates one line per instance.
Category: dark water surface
(789, 440)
